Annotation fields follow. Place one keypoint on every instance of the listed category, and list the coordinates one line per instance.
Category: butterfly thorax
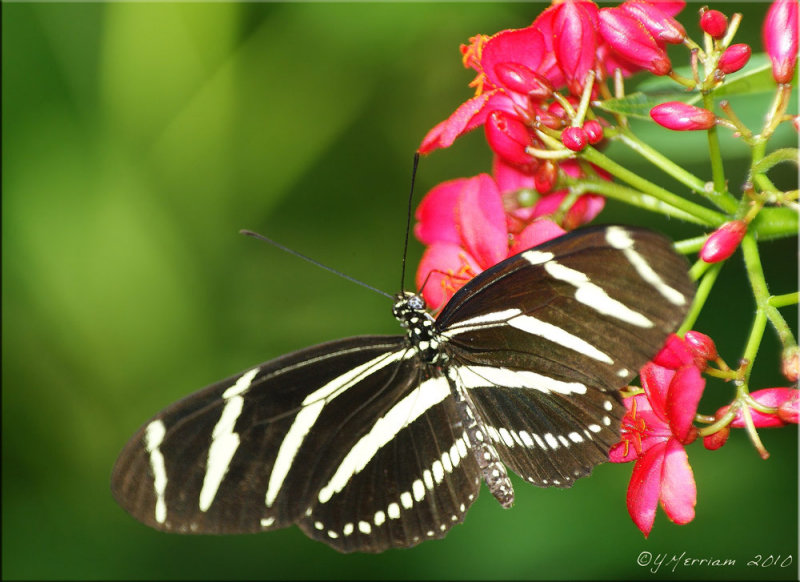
(409, 310)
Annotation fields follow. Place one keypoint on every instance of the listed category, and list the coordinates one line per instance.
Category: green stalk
(702, 214)
(703, 291)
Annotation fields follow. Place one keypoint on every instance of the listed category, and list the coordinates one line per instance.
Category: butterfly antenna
(313, 262)
(408, 221)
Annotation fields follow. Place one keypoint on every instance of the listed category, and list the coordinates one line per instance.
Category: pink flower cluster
(660, 422)
(518, 70)
(470, 224)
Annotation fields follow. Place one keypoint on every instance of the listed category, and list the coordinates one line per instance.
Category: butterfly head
(409, 310)
(409, 307)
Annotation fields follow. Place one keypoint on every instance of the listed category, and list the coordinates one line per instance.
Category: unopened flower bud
(780, 38)
(702, 348)
(682, 116)
(626, 36)
(789, 411)
(545, 177)
(734, 58)
(721, 243)
(662, 26)
(574, 138)
(594, 131)
(790, 363)
(716, 439)
(523, 80)
(785, 401)
(508, 137)
(714, 23)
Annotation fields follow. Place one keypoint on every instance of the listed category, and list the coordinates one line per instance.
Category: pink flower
(471, 224)
(721, 243)
(518, 69)
(680, 116)
(785, 401)
(780, 38)
(654, 431)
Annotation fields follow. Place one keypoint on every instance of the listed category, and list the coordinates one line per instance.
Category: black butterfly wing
(544, 340)
(353, 440)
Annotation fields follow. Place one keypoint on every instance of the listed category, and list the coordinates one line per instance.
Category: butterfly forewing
(265, 449)
(377, 442)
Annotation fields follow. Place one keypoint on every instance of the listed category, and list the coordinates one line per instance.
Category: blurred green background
(139, 138)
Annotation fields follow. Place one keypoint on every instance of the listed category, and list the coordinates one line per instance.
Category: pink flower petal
(675, 354)
(536, 233)
(584, 210)
(678, 489)
(482, 221)
(436, 214)
(439, 260)
(655, 381)
(645, 488)
(684, 394)
(468, 116)
(524, 46)
(509, 177)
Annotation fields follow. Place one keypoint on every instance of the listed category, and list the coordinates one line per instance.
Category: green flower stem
(664, 163)
(703, 291)
(784, 300)
(690, 245)
(701, 214)
(718, 196)
(769, 161)
(765, 310)
(699, 269)
(630, 196)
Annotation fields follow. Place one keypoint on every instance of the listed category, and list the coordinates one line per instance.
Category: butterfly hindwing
(544, 340)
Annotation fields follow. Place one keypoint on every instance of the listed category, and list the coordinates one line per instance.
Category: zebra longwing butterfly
(378, 442)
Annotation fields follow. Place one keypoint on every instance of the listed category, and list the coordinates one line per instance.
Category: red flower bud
(721, 243)
(523, 80)
(734, 58)
(574, 138)
(628, 37)
(545, 177)
(780, 38)
(789, 411)
(508, 137)
(714, 23)
(786, 401)
(790, 363)
(575, 41)
(702, 347)
(663, 27)
(594, 131)
(716, 439)
(682, 117)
